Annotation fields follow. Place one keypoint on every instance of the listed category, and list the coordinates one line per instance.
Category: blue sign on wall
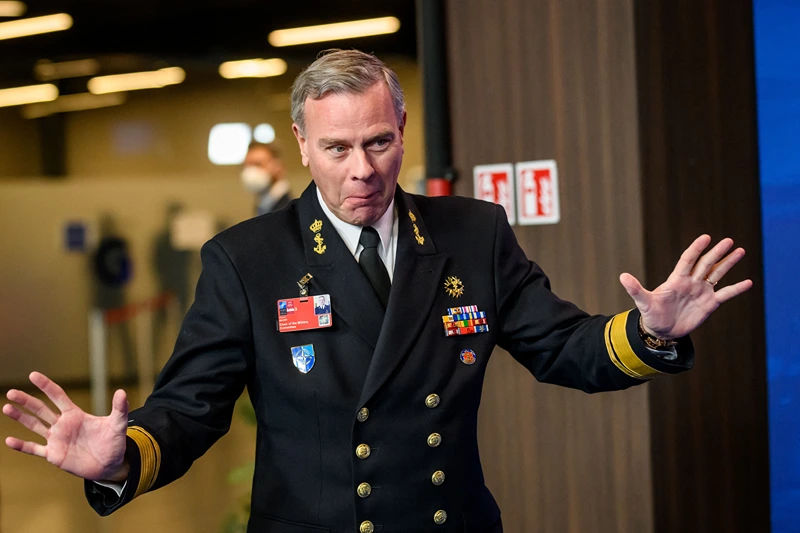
(777, 32)
(76, 236)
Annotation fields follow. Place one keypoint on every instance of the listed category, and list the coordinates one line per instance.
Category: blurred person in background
(263, 175)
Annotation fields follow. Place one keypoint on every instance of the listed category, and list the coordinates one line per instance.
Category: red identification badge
(306, 312)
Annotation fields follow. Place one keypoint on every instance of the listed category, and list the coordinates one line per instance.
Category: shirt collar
(350, 233)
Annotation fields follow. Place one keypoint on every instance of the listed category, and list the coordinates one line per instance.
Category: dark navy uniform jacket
(381, 433)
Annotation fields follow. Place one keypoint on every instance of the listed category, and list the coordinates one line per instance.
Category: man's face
(353, 146)
(261, 157)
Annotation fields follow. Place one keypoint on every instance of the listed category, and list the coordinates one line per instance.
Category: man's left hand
(689, 296)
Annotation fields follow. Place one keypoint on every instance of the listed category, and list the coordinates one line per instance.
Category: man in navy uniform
(376, 429)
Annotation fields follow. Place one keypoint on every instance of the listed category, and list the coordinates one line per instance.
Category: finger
(30, 422)
(731, 291)
(32, 404)
(705, 263)
(31, 448)
(640, 295)
(690, 255)
(52, 390)
(719, 270)
(119, 407)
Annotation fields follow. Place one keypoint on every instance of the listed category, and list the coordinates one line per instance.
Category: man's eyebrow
(330, 141)
(382, 135)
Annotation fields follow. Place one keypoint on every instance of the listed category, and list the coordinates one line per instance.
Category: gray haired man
(376, 430)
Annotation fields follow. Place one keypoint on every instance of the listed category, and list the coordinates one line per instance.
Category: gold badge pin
(320, 247)
(453, 287)
(420, 238)
(316, 227)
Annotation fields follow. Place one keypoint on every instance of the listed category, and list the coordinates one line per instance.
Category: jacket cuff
(630, 354)
(144, 457)
(105, 500)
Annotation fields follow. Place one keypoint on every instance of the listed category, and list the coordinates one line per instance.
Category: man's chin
(364, 216)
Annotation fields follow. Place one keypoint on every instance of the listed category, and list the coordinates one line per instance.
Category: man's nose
(362, 168)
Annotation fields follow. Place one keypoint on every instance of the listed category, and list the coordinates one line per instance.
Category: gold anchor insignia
(420, 238)
(320, 247)
(454, 286)
(316, 226)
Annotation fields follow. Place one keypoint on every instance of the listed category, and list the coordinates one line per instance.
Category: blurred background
(124, 133)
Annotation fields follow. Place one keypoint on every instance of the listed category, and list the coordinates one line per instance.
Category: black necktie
(372, 265)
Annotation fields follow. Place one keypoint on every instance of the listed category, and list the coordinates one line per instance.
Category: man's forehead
(346, 110)
(260, 152)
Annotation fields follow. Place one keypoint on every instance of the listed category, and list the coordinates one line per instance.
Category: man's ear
(402, 126)
(301, 142)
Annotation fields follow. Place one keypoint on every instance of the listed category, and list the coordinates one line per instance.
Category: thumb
(640, 295)
(119, 407)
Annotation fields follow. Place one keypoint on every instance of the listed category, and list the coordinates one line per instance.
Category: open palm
(91, 447)
(688, 297)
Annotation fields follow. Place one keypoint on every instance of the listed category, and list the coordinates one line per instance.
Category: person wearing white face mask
(262, 175)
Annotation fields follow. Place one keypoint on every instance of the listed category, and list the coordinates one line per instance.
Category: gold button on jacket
(432, 401)
(363, 414)
(364, 490)
(440, 517)
(363, 451)
(367, 527)
(437, 478)
(434, 440)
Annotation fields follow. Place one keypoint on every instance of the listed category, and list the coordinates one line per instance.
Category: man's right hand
(90, 447)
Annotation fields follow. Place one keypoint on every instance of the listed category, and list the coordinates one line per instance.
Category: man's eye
(381, 143)
(338, 149)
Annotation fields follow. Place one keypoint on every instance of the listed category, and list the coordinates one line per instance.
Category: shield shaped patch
(303, 357)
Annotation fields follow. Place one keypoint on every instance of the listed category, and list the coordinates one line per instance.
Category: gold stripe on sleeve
(617, 337)
(612, 355)
(150, 454)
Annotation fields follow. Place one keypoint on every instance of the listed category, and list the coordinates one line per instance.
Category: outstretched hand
(689, 296)
(91, 447)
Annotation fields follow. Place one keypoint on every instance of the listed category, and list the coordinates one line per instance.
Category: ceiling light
(47, 70)
(73, 102)
(28, 95)
(35, 26)
(12, 9)
(333, 32)
(264, 133)
(252, 68)
(137, 80)
(227, 143)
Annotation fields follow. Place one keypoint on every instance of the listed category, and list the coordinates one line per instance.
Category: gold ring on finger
(712, 283)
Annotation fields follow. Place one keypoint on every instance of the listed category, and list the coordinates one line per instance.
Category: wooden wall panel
(700, 162)
(541, 79)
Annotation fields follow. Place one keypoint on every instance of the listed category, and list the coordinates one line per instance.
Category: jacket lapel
(417, 275)
(336, 271)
